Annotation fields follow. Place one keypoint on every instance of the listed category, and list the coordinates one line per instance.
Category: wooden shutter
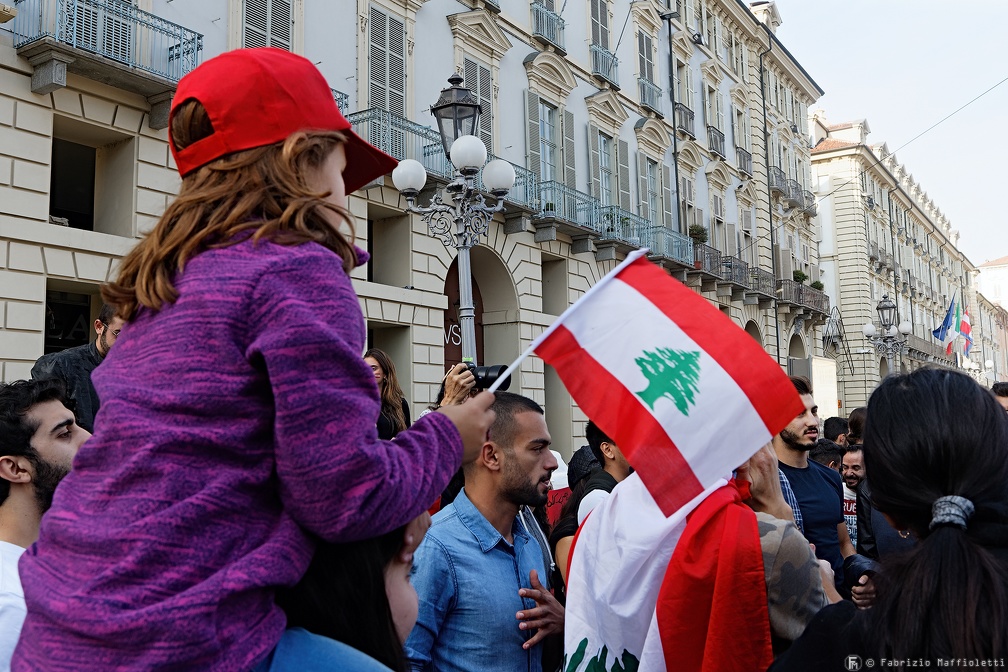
(478, 79)
(623, 161)
(667, 197)
(642, 187)
(267, 24)
(387, 63)
(731, 242)
(645, 51)
(596, 163)
(532, 155)
(570, 176)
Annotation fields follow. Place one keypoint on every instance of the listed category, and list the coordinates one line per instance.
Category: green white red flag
(685, 392)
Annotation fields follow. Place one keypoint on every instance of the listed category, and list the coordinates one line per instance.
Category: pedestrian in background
(395, 414)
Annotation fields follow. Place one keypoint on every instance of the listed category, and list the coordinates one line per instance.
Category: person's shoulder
(832, 475)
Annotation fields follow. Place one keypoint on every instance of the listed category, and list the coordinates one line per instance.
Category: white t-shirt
(850, 513)
(12, 603)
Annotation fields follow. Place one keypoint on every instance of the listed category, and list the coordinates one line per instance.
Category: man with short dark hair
(38, 440)
(817, 489)
(74, 366)
(835, 429)
(1000, 391)
(478, 571)
(828, 454)
(853, 473)
(615, 468)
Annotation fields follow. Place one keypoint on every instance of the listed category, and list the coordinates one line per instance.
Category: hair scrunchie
(951, 510)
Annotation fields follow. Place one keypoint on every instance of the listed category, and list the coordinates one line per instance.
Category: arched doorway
(796, 348)
(753, 330)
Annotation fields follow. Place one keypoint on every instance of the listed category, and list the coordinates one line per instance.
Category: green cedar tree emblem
(674, 374)
(626, 663)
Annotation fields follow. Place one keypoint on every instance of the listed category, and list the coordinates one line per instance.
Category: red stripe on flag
(644, 442)
(741, 356)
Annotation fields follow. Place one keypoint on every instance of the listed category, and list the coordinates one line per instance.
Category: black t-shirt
(819, 492)
(386, 428)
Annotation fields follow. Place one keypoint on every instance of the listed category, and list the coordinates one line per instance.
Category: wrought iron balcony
(605, 64)
(715, 141)
(808, 199)
(684, 119)
(744, 159)
(110, 41)
(524, 192)
(615, 223)
(789, 291)
(778, 181)
(569, 206)
(650, 95)
(403, 139)
(762, 282)
(707, 259)
(794, 194)
(342, 101)
(814, 299)
(665, 242)
(548, 26)
(736, 271)
(873, 251)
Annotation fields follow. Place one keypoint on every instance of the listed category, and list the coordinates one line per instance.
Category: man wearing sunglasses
(74, 366)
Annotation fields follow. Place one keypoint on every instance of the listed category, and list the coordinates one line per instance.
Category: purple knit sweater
(232, 424)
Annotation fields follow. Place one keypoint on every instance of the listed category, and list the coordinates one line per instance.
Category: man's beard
(518, 490)
(103, 344)
(794, 441)
(47, 477)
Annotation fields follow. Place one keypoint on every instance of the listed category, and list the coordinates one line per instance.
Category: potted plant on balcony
(799, 276)
(549, 208)
(816, 285)
(698, 232)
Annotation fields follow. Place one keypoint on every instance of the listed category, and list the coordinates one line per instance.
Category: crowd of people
(258, 498)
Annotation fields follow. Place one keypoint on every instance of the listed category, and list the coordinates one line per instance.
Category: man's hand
(458, 382)
(766, 495)
(548, 617)
(828, 584)
(863, 594)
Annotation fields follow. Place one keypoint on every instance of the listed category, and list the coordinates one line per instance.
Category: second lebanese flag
(685, 392)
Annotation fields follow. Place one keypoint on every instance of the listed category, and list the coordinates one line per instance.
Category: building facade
(883, 235)
(629, 125)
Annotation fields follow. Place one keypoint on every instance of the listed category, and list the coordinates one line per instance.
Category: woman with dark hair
(394, 416)
(856, 425)
(936, 453)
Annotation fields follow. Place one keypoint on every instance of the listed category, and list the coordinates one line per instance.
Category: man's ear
(99, 326)
(489, 456)
(16, 469)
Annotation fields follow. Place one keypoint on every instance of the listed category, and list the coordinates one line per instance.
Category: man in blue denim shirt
(482, 606)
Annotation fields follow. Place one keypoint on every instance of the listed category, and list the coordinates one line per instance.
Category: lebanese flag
(685, 392)
(965, 329)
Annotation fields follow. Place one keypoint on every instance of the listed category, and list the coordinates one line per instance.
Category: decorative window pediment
(479, 31)
(690, 156)
(747, 193)
(740, 96)
(646, 16)
(712, 71)
(683, 45)
(718, 175)
(549, 75)
(606, 111)
(652, 138)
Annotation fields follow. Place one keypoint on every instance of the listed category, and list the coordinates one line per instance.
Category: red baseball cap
(259, 97)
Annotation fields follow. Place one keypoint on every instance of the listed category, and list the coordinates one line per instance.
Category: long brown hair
(263, 190)
(391, 392)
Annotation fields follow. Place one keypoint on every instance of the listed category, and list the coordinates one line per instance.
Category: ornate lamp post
(893, 339)
(463, 216)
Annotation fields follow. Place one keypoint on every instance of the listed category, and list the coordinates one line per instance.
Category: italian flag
(685, 392)
(953, 333)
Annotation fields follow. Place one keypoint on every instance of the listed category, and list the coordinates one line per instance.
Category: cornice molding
(606, 111)
(478, 29)
(550, 75)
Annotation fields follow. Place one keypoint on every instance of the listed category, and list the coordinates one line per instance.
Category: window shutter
(689, 88)
(267, 24)
(280, 24)
(596, 163)
(533, 157)
(478, 80)
(667, 196)
(623, 161)
(642, 190)
(596, 27)
(396, 66)
(731, 244)
(570, 176)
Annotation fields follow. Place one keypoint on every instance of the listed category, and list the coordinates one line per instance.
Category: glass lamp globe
(468, 153)
(499, 176)
(868, 329)
(409, 176)
(905, 327)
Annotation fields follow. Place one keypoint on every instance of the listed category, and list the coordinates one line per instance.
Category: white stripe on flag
(636, 326)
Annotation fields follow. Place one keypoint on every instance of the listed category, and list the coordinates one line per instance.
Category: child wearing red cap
(238, 418)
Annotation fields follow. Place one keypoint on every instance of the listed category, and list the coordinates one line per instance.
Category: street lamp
(459, 220)
(892, 340)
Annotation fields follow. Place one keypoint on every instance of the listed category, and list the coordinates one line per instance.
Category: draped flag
(946, 331)
(685, 392)
(965, 330)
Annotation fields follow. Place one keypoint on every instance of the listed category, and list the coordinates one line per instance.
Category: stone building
(628, 124)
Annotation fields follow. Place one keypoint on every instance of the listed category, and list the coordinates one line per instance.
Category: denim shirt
(467, 577)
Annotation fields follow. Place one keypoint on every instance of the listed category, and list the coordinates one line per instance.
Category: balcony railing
(762, 281)
(736, 271)
(605, 64)
(403, 139)
(707, 259)
(650, 95)
(576, 208)
(790, 291)
(547, 25)
(665, 242)
(808, 199)
(113, 29)
(744, 159)
(684, 119)
(342, 101)
(778, 181)
(615, 223)
(715, 141)
(815, 299)
(794, 194)
(524, 192)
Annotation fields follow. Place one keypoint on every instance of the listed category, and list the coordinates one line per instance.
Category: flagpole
(632, 257)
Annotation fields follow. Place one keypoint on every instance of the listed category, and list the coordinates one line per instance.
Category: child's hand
(473, 420)
(414, 534)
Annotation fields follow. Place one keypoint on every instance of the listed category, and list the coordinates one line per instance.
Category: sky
(904, 65)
